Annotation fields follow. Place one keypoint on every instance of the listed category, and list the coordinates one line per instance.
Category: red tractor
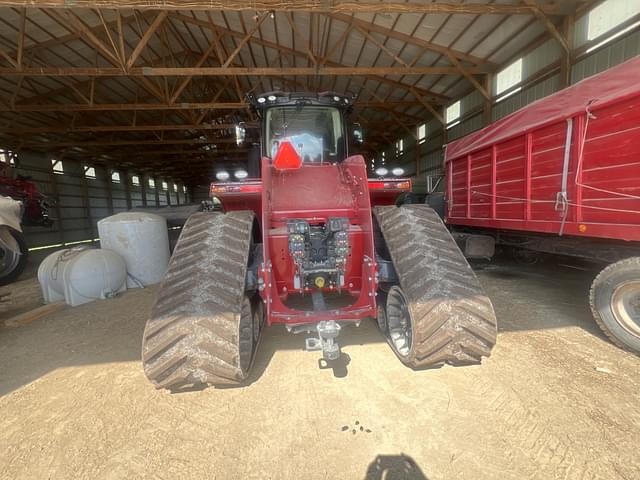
(315, 245)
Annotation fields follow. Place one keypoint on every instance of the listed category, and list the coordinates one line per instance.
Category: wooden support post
(487, 109)
(86, 202)
(566, 59)
(54, 191)
(109, 189)
(127, 188)
(156, 190)
(143, 189)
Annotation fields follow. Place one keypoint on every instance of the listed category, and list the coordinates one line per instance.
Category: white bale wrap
(142, 239)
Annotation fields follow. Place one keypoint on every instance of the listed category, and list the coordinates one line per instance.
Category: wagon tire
(615, 303)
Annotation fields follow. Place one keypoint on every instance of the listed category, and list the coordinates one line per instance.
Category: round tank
(142, 239)
(80, 275)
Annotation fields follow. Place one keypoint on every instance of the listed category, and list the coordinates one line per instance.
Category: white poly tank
(142, 239)
(80, 275)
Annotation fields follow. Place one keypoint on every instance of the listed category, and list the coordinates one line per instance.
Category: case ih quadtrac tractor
(315, 245)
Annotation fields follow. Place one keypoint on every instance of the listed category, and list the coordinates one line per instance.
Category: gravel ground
(555, 400)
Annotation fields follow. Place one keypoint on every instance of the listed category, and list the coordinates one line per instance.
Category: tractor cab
(301, 130)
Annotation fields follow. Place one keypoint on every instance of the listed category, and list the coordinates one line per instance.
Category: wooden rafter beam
(411, 40)
(98, 107)
(428, 106)
(115, 142)
(203, 58)
(145, 38)
(72, 23)
(549, 25)
(465, 71)
(321, 6)
(380, 45)
(21, 35)
(233, 71)
(126, 107)
(282, 49)
(114, 128)
(244, 40)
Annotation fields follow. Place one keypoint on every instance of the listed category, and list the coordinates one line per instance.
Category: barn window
(56, 166)
(8, 157)
(422, 132)
(115, 177)
(175, 188)
(608, 15)
(509, 77)
(452, 114)
(399, 147)
(165, 186)
(135, 180)
(152, 183)
(90, 172)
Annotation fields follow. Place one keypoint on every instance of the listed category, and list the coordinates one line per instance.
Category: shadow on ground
(553, 294)
(394, 467)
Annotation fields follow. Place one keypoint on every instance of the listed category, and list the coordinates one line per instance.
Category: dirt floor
(556, 400)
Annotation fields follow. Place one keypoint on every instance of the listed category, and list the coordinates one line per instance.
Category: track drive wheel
(439, 312)
(615, 302)
(203, 328)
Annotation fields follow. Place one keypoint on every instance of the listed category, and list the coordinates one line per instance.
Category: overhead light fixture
(397, 171)
(222, 175)
(381, 171)
(241, 174)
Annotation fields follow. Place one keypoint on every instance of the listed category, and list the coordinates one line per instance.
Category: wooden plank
(145, 38)
(233, 71)
(35, 314)
(288, 6)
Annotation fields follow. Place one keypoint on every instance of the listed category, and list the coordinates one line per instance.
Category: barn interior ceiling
(160, 85)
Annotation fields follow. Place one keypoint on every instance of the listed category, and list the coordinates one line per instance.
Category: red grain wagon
(562, 175)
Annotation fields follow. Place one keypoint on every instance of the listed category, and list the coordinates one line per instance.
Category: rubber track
(192, 336)
(453, 319)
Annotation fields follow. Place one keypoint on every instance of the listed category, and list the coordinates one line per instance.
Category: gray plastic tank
(80, 275)
(142, 239)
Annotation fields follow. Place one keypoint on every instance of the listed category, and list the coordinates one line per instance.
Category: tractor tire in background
(439, 312)
(203, 328)
(615, 303)
(12, 263)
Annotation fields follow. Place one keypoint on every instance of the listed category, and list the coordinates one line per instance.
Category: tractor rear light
(218, 188)
(396, 185)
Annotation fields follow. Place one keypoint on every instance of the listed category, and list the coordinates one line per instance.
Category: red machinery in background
(562, 175)
(34, 203)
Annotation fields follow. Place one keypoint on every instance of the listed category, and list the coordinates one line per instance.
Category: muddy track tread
(453, 319)
(193, 335)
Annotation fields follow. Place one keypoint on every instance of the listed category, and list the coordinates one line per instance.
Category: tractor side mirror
(241, 134)
(357, 134)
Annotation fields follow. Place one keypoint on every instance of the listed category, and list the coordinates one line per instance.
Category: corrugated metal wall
(79, 202)
(471, 114)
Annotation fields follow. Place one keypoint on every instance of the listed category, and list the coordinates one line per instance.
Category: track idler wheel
(438, 313)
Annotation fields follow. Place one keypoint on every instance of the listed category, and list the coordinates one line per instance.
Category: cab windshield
(314, 131)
